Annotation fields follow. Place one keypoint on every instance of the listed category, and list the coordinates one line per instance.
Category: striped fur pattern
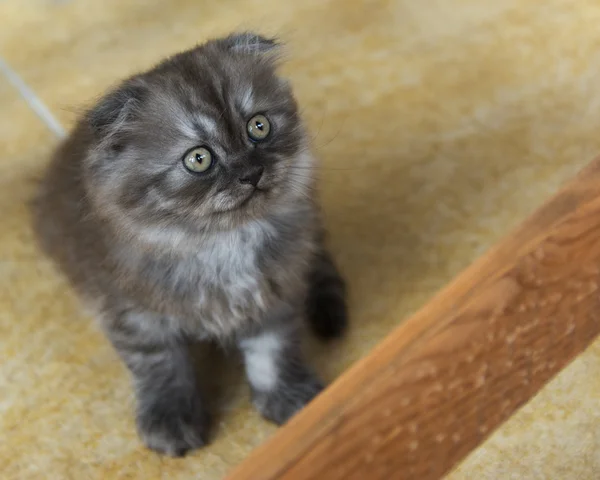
(169, 258)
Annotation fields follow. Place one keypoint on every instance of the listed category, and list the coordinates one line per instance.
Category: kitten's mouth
(251, 199)
(255, 193)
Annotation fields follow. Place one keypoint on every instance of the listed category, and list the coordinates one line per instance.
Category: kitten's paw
(173, 426)
(284, 402)
(328, 313)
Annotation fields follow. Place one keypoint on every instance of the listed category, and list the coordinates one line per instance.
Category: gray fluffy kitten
(181, 208)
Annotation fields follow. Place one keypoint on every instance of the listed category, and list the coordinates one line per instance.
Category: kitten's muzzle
(252, 176)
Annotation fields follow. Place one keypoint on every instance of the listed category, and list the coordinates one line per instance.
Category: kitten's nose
(253, 176)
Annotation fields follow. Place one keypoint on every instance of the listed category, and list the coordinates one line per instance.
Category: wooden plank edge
(438, 385)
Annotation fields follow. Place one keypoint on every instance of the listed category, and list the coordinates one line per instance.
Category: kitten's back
(62, 215)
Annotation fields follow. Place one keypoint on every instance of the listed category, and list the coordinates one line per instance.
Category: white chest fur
(229, 263)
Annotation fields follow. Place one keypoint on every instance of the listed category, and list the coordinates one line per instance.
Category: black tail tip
(328, 316)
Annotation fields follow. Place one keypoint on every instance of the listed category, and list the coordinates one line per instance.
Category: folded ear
(115, 109)
(251, 43)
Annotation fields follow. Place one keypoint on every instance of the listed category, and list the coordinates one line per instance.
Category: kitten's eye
(198, 160)
(258, 128)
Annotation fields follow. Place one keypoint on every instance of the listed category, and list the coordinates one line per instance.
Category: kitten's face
(207, 140)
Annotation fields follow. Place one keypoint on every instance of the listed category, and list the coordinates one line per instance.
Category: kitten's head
(205, 141)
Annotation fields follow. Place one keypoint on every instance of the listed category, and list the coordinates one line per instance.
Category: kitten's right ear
(115, 109)
(251, 43)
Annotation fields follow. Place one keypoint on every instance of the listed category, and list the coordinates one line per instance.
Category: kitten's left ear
(251, 43)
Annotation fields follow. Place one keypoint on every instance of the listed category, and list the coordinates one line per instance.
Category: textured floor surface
(440, 124)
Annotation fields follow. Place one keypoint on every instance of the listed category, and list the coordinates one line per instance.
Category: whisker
(320, 124)
(318, 146)
(300, 175)
(222, 113)
(319, 178)
(301, 190)
(323, 145)
(325, 167)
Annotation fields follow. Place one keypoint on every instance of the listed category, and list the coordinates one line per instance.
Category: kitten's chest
(233, 276)
(232, 261)
(237, 279)
(227, 255)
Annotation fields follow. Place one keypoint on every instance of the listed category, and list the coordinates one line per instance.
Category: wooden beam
(438, 385)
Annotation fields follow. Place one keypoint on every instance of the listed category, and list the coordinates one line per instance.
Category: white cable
(34, 102)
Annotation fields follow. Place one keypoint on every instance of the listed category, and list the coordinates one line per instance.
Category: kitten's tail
(327, 312)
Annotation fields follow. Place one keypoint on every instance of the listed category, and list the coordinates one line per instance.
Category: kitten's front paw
(173, 426)
(281, 404)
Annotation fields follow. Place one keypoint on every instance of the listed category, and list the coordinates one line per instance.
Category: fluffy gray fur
(168, 257)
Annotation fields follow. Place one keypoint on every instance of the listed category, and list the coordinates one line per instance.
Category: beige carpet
(440, 123)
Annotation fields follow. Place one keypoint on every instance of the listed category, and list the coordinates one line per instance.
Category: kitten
(182, 209)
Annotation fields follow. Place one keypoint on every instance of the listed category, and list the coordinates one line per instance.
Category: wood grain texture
(437, 386)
